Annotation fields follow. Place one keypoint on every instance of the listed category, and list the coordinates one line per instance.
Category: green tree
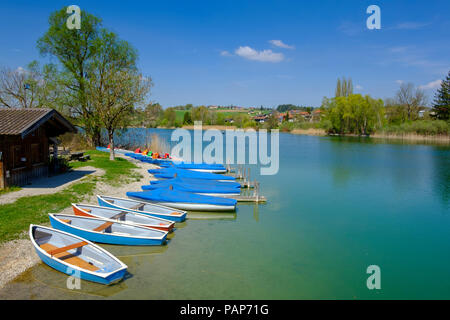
(187, 118)
(114, 85)
(344, 87)
(75, 50)
(441, 105)
(353, 114)
(170, 115)
(153, 112)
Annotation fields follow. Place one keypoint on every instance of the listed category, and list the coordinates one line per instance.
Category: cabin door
(2, 178)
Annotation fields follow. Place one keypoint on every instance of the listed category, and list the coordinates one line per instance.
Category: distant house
(25, 137)
(260, 118)
(316, 115)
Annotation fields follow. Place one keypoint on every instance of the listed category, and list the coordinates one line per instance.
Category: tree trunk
(111, 145)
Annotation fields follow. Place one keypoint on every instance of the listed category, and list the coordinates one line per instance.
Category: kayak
(76, 256)
(185, 200)
(137, 219)
(199, 167)
(105, 231)
(169, 173)
(202, 182)
(153, 210)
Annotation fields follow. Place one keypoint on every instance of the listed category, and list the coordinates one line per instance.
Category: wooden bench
(137, 207)
(68, 257)
(76, 155)
(103, 226)
(119, 215)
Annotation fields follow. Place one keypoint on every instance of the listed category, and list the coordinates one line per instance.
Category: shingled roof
(23, 121)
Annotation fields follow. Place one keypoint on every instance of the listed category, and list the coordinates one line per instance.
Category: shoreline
(408, 137)
(18, 255)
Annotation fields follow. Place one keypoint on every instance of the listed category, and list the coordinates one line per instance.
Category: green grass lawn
(16, 217)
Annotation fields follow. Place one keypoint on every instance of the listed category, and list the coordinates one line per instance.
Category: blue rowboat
(185, 200)
(199, 167)
(150, 209)
(106, 231)
(202, 182)
(76, 256)
(169, 173)
(133, 218)
(200, 189)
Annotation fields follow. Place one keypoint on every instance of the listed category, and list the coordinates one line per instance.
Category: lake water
(335, 207)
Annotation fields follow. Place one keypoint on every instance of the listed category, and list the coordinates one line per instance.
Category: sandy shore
(310, 132)
(18, 255)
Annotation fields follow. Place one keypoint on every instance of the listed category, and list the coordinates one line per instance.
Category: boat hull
(175, 218)
(190, 206)
(60, 266)
(80, 212)
(55, 264)
(104, 237)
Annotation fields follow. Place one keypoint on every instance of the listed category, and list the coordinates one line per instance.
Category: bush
(422, 127)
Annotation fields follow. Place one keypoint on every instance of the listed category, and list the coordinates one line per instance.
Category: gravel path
(18, 255)
(50, 185)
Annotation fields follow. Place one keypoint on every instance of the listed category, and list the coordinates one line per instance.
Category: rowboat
(76, 256)
(169, 173)
(208, 190)
(199, 167)
(184, 200)
(127, 217)
(105, 231)
(150, 209)
(202, 182)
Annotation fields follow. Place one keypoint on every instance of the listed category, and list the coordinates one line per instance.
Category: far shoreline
(409, 137)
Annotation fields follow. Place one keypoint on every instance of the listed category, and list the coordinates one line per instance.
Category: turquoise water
(335, 207)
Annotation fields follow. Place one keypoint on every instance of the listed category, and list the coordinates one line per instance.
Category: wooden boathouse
(26, 135)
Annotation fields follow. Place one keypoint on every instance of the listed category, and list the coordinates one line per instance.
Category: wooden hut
(25, 137)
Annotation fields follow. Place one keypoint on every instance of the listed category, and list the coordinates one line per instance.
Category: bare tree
(18, 89)
(410, 98)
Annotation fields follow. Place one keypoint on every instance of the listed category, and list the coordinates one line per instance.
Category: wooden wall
(24, 159)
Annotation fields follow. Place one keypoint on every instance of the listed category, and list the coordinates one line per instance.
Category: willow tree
(114, 84)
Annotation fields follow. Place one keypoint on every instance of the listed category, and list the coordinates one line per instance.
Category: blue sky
(221, 53)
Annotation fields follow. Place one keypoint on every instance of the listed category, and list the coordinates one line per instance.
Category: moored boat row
(144, 218)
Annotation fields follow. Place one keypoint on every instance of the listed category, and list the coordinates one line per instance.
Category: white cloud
(410, 25)
(431, 85)
(358, 87)
(280, 44)
(263, 56)
(225, 53)
(399, 82)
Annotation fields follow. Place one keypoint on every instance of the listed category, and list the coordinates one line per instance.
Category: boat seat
(119, 215)
(103, 226)
(137, 207)
(68, 257)
(66, 221)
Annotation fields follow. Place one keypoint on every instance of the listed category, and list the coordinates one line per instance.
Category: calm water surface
(335, 207)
